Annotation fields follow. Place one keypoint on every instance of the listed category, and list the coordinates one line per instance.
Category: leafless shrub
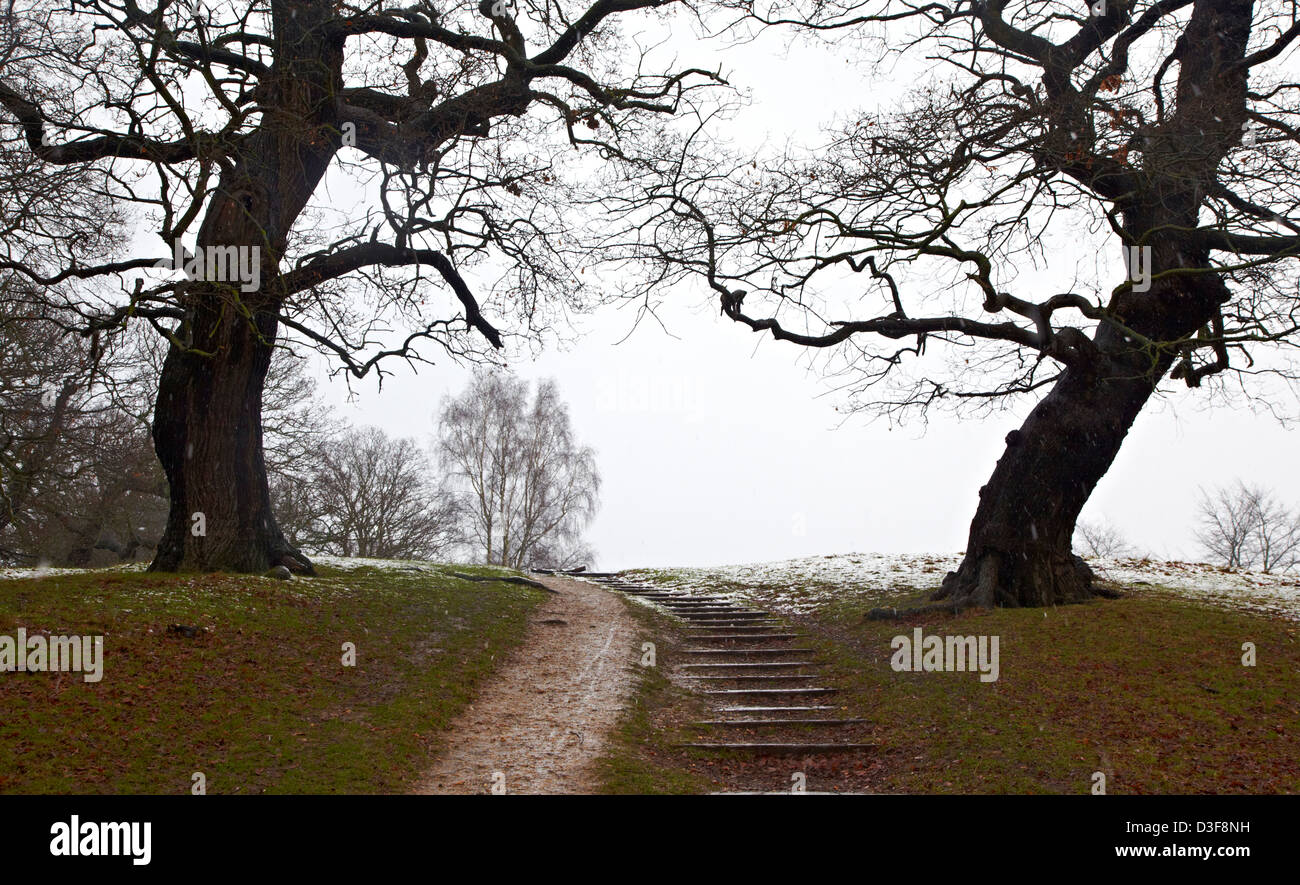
(1248, 527)
(1101, 540)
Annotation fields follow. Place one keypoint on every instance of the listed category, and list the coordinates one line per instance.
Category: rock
(281, 572)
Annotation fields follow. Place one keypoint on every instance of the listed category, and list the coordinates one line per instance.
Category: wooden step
(725, 613)
(780, 747)
(746, 651)
(735, 625)
(730, 610)
(756, 722)
(696, 609)
(770, 677)
(718, 609)
(751, 626)
(739, 629)
(751, 665)
(696, 615)
(721, 606)
(808, 709)
(776, 692)
(749, 637)
(731, 617)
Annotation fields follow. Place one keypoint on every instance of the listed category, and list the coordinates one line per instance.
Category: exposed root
(994, 578)
(294, 561)
(527, 582)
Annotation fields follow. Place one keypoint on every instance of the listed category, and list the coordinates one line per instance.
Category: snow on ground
(46, 571)
(802, 585)
(355, 562)
(795, 586)
(341, 562)
(1254, 591)
(346, 563)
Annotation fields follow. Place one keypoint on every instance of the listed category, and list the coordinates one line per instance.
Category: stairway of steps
(752, 669)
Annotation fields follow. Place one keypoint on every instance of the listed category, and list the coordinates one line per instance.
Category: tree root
(526, 582)
(294, 562)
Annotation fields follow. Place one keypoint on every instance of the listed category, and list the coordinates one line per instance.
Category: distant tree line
(80, 484)
(365, 493)
(507, 483)
(78, 478)
(1239, 526)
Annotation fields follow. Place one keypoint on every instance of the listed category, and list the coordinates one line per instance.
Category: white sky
(718, 446)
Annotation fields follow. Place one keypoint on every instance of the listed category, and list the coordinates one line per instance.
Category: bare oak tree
(917, 245)
(528, 488)
(463, 126)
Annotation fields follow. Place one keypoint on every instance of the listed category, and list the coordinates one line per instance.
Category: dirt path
(541, 720)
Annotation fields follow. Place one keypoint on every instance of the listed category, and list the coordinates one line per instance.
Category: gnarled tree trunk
(208, 436)
(1018, 552)
(208, 416)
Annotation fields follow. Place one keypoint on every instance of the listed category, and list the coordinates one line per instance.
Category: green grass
(260, 703)
(1149, 689)
(639, 758)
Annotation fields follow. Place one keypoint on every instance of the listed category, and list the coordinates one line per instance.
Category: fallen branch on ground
(527, 582)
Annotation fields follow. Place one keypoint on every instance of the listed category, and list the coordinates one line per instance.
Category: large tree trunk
(208, 416)
(208, 436)
(1018, 552)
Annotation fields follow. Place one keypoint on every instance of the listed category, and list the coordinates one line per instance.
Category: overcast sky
(719, 446)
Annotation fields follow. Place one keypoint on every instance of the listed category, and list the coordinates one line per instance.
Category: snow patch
(796, 586)
(46, 571)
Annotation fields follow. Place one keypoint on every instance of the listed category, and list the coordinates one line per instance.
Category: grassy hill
(256, 697)
(1150, 690)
